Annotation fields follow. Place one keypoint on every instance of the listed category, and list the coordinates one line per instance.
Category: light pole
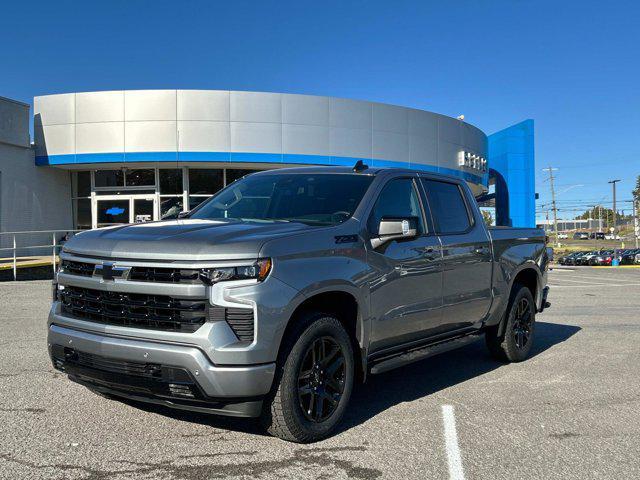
(613, 182)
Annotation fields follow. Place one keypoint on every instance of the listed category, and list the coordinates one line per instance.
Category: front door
(110, 210)
(406, 285)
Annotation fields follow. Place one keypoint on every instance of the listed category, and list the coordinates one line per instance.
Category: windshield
(313, 199)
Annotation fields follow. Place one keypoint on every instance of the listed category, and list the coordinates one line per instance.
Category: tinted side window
(398, 198)
(447, 206)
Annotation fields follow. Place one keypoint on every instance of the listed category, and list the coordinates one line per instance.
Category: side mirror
(395, 228)
(183, 214)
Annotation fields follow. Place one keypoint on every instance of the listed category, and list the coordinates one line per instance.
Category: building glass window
(205, 181)
(170, 181)
(170, 207)
(82, 184)
(234, 174)
(141, 177)
(109, 178)
(82, 209)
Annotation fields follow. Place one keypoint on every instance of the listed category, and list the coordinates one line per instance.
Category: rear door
(466, 254)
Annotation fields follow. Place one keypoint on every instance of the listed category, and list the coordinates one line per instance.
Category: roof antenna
(360, 166)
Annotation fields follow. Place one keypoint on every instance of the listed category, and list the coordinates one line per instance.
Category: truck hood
(180, 240)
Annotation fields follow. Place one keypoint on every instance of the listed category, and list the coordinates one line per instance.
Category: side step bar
(420, 353)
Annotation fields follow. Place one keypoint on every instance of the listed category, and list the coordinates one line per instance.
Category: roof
(349, 170)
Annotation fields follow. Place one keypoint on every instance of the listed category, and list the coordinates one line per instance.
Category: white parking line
(451, 441)
(611, 285)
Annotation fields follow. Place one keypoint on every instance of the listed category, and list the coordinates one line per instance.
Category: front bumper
(126, 367)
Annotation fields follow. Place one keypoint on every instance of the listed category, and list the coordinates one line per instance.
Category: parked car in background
(596, 235)
(628, 256)
(586, 258)
(581, 236)
(563, 236)
(568, 258)
(611, 236)
(603, 258)
(574, 258)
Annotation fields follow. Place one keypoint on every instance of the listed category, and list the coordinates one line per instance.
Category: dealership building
(105, 158)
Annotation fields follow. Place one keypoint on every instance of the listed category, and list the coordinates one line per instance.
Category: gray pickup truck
(279, 293)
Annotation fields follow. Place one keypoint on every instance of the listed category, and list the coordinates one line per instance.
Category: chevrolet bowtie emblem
(109, 272)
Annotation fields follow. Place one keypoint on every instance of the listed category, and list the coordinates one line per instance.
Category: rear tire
(315, 367)
(514, 345)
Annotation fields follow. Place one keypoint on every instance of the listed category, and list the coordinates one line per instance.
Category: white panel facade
(154, 121)
(350, 113)
(100, 107)
(423, 149)
(305, 139)
(206, 105)
(349, 142)
(200, 136)
(256, 107)
(390, 145)
(104, 137)
(256, 137)
(150, 136)
(54, 109)
(56, 139)
(390, 118)
(305, 110)
(141, 105)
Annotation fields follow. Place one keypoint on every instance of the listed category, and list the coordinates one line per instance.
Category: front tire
(314, 380)
(514, 345)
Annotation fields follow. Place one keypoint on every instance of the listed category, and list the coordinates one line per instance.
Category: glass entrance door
(143, 209)
(109, 210)
(112, 212)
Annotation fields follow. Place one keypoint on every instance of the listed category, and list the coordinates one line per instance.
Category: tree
(606, 214)
(636, 191)
(488, 218)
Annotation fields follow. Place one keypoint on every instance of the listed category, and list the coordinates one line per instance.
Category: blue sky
(574, 67)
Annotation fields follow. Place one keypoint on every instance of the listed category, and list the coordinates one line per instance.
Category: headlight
(258, 271)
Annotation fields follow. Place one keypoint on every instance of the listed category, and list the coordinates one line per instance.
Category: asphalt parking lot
(570, 411)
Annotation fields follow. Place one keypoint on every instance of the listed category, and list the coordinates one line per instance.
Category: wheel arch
(529, 276)
(344, 305)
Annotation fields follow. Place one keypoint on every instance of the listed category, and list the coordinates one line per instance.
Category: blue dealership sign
(115, 211)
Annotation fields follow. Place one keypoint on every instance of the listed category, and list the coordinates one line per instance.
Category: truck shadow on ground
(406, 384)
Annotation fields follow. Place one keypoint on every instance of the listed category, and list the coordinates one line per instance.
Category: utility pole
(553, 203)
(615, 212)
(636, 227)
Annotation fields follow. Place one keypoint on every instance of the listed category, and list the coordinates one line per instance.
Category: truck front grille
(164, 275)
(138, 274)
(82, 269)
(155, 312)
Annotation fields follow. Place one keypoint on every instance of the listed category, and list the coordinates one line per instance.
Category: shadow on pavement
(405, 384)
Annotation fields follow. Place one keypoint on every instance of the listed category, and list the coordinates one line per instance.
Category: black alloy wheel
(512, 339)
(522, 323)
(321, 379)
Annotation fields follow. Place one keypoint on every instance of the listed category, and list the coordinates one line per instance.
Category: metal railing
(58, 238)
